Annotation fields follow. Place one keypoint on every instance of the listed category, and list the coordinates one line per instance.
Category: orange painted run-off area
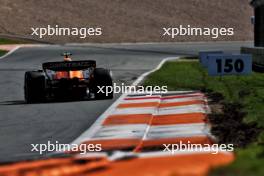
(115, 144)
(183, 165)
(185, 103)
(196, 164)
(54, 167)
(165, 98)
(142, 143)
(160, 105)
(138, 105)
(187, 118)
(167, 119)
(127, 119)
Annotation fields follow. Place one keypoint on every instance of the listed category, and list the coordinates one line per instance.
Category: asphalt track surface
(24, 124)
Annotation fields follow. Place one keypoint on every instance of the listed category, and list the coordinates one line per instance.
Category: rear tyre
(34, 87)
(102, 79)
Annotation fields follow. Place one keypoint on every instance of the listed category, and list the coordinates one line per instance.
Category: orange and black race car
(67, 80)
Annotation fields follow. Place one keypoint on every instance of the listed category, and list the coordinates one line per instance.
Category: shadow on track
(15, 102)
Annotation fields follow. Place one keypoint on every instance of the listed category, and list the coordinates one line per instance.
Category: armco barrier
(139, 126)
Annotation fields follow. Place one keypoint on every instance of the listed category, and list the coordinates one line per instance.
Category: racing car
(66, 80)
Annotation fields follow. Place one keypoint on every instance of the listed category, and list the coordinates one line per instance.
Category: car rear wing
(69, 66)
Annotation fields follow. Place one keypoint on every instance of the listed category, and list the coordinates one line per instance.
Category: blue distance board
(229, 64)
(203, 56)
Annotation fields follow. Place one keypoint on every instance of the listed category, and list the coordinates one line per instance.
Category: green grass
(191, 76)
(2, 52)
(4, 41)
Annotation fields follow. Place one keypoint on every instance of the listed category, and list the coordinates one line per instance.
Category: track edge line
(97, 124)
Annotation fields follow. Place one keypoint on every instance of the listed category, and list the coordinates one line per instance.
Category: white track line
(155, 69)
(97, 124)
(22, 46)
(10, 52)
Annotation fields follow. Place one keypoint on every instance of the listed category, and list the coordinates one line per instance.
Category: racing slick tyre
(34, 87)
(102, 79)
